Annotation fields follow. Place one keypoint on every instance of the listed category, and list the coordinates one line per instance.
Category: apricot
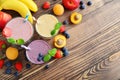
(76, 18)
(59, 41)
(11, 53)
(58, 9)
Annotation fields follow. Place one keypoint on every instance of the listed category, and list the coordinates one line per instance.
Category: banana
(30, 4)
(17, 6)
(2, 1)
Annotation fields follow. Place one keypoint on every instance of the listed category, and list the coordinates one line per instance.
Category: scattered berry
(67, 35)
(58, 9)
(39, 58)
(8, 64)
(65, 22)
(16, 74)
(65, 32)
(40, 55)
(81, 2)
(1, 63)
(63, 49)
(2, 44)
(82, 7)
(58, 54)
(8, 71)
(46, 5)
(18, 66)
(89, 3)
(65, 52)
(46, 66)
(62, 29)
(28, 66)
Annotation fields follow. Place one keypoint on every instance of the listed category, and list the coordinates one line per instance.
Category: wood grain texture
(94, 46)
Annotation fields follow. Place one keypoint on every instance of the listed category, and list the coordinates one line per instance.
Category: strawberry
(1, 63)
(46, 5)
(58, 54)
(18, 66)
(2, 44)
(62, 29)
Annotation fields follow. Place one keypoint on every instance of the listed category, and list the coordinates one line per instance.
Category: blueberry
(81, 2)
(28, 66)
(65, 22)
(63, 49)
(89, 3)
(8, 71)
(46, 66)
(65, 32)
(82, 6)
(8, 64)
(40, 55)
(39, 58)
(16, 74)
(67, 36)
(65, 53)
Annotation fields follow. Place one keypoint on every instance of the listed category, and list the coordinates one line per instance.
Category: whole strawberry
(2, 44)
(1, 63)
(46, 5)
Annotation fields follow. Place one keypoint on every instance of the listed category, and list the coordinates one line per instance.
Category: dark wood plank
(94, 45)
(91, 42)
(107, 69)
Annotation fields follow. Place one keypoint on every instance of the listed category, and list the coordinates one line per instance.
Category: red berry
(2, 44)
(58, 54)
(46, 5)
(1, 63)
(62, 29)
(18, 66)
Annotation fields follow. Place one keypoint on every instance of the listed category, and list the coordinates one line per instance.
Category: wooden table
(94, 46)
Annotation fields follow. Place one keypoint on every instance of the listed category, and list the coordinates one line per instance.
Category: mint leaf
(20, 41)
(11, 40)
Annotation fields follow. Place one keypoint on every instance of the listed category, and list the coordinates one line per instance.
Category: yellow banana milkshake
(45, 24)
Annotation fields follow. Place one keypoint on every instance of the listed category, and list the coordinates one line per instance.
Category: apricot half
(59, 41)
(76, 18)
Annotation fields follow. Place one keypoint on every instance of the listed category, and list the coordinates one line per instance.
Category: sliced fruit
(76, 18)
(59, 41)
